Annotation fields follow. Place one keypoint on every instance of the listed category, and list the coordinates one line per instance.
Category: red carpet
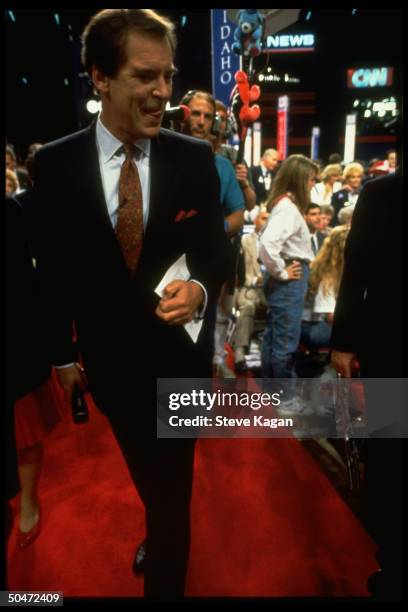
(266, 522)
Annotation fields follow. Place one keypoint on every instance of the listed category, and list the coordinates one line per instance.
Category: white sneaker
(294, 407)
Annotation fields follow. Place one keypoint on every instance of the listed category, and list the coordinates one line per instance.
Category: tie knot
(129, 150)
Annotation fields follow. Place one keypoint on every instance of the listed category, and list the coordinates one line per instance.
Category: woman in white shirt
(286, 251)
(330, 182)
(324, 281)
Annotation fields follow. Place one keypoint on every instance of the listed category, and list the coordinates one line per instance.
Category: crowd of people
(131, 204)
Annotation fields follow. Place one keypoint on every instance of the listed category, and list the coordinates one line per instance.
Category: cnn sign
(370, 77)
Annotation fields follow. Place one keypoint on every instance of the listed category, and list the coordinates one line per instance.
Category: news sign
(370, 77)
(285, 43)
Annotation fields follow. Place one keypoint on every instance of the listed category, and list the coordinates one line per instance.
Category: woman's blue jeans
(283, 325)
(315, 334)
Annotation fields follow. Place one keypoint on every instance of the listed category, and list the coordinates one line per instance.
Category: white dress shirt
(111, 157)
(266, 178)
(286, 236)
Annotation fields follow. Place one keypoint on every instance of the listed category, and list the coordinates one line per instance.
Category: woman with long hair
(286, 252)
(324, 281)
(330, 182)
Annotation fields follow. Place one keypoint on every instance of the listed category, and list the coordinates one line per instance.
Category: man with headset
(200, 125)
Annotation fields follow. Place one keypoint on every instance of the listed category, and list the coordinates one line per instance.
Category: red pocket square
(182, 214)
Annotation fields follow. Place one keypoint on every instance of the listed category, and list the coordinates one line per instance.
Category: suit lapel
(92, 178)
(95, 213)
(162, 179)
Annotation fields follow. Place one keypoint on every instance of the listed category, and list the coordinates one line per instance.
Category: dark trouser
(383, 503)
(162, 470)
(382, 491)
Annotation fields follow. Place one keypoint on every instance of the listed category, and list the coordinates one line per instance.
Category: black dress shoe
(139, 562)
(241, 367)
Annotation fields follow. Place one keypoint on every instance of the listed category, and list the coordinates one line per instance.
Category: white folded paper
(179, 271)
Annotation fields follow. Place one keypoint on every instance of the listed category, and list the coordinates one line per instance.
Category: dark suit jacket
(26, 366)
(259, 185)
(26, 363)
(320, 239)
(123, 344)
(338, 200)
(368, 318)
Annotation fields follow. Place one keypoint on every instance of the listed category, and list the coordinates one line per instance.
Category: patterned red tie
(129, 227)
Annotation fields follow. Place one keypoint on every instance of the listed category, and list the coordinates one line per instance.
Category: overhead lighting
(57, 18)
(367, 113)
(356, 103)
(12, 17)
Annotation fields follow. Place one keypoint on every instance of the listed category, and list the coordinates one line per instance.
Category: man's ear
(100, 80)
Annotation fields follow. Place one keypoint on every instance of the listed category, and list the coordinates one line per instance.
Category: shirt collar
(108, 143)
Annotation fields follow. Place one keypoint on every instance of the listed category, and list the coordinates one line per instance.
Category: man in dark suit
(263, 175)
(367, 325)
(312, 218)
(118, 203)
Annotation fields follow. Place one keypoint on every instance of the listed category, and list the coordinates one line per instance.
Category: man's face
(354, 180)
(10, 163)
(223, 121)
(313, 219)
(133, 102)
(324, 221)
(9, 187)
(392, 160)
(271, 162)
(201, 117)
